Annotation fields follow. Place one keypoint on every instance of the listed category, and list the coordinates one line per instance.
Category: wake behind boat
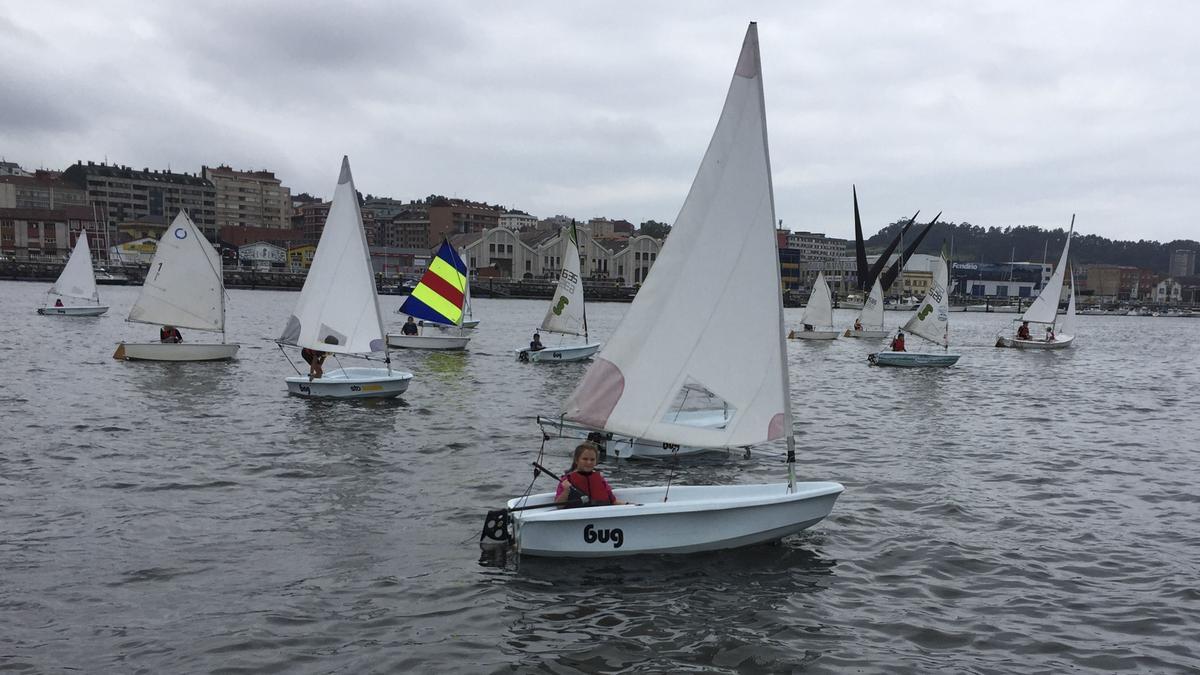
(337, 312)
(184, 288)
(696, 302)
(76, 281)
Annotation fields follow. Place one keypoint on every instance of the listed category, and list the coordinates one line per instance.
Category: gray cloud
(997, 113)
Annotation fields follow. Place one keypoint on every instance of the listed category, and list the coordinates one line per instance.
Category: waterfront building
(1167, 291)
(407, 228)
(633, 261)
(12, 169)
(299, 258)
(38, 192)
(448, 217)
(47, 233)
(262, 255)
(122, 194)
(249, 198)
(517, 221)
(502, 250)
(1183, 263)
(537, 254)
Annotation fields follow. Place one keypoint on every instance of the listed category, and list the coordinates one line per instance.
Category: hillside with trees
(1024, 243)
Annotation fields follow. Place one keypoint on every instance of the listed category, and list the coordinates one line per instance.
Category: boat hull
(87, 310)
(697, 518)
(1059, 342)
(913, 359)
(351, 383)
(626, 447)
(445, 343)
(178, 351)
(559, 354)
(831, 334)
(867, 334)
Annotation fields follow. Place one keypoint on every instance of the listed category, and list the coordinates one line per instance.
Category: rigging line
(281, 351)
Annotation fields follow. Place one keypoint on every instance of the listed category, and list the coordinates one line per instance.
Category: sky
(997, 113)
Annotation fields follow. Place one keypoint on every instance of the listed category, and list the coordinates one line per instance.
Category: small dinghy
(438, 300)
(817, 321)
(76, 281)
(930, 322)
(184, 288)
(697, 301)
(1048, 332)
(567, 314)
(338, 309)
(869, 323)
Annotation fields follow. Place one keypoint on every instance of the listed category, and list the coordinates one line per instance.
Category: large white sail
(77, 279)
(709, 316)
(871, 315)
(183, 286)
(932, 318)
(1045, 307)
(566, 309)
(338, 309)
(819, 310)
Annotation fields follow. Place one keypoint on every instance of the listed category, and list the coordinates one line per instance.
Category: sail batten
(77, 280)
(338, 309)
(183, 286)
(710, 312)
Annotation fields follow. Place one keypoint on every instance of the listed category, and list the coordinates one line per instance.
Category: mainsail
(871, 315)
(1045, 308)
(819, 310)
(183, 286)
(932, 318)
(566, 314)
(440, 295)
(77, 279)
(710, 313)
(338, 310)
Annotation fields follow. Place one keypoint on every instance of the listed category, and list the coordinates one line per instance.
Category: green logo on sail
(562, 302)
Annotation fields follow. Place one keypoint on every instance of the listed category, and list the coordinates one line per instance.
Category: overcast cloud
(996, 113)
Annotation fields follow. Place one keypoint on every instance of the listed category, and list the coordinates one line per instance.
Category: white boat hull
(351, 383)
(867, 334)
(831, 334)
(175, 351)
(913, 359)
(86, 310)
(626, 447)
(446, 343)
(1059, 342)
(697, 518)
(556, 354)
(466, 325)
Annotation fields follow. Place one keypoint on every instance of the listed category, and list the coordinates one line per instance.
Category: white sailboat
(338, 309)
(931, 322)
(438, 300)
(184, 288)
(716, 283)
(1045, 332)
(869, 323)
(817, 321)
(566, 314)
(76, 281)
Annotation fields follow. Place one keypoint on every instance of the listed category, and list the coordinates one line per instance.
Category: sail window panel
(696, 405)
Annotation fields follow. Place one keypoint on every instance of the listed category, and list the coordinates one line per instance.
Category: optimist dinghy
(185, 288)
(567, 314)
(77, 281)
(1049, 332)
(930, 322)
(697, 301)
(817, 321)
(438, 300)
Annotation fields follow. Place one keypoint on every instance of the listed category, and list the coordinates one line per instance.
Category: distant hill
(1028, 243)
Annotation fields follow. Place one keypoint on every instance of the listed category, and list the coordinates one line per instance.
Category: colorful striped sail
(440, 295)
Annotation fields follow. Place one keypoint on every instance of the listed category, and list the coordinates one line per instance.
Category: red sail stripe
(443, 288)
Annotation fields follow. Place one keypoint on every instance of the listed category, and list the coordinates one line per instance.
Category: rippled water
(1020, 512)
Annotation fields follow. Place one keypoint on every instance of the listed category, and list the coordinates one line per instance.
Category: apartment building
(123, 194)
(249, 198)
